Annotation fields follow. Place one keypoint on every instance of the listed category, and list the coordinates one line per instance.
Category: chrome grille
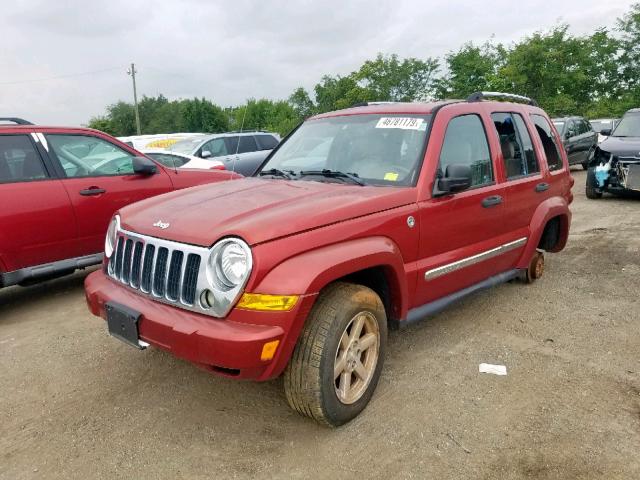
(164, 270)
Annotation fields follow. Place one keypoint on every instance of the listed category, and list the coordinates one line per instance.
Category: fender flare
(309, 272)
(550, 208)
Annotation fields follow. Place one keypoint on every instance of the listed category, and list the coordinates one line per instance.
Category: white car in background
(160, 140)
(180, 160)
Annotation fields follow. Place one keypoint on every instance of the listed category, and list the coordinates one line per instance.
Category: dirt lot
(75, 403)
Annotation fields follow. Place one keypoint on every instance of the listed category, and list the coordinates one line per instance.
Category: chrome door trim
(480, 257)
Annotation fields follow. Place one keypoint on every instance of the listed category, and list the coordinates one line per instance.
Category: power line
(70, 75)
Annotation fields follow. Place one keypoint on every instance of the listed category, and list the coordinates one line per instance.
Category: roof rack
(479, 96)
(244, 131)
(366, 104)
(17, 121)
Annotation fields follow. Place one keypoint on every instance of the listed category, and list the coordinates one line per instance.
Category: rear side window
(266, 142)
(247, 144)
(19, 160)
(549, 142)
(515, 143)
(465, 143)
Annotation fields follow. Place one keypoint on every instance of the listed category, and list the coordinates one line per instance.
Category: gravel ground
(75, 403)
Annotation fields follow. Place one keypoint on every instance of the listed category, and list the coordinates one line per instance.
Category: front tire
(338, 359)
(591, 189)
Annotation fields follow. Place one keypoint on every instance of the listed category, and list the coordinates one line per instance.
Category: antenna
(244, 115)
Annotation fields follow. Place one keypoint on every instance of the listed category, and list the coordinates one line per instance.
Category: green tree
(550, 67)
(628, 81)
(301, 103)
(103, 124)
(387, 78)
(472, 69)
(201, 115)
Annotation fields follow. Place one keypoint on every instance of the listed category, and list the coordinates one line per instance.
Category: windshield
(559, 126)
(186, 146)
(629, 126)
(379, 149)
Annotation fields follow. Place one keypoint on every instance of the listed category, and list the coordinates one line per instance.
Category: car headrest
(508, 150)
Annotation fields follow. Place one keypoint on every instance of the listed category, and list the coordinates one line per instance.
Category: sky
(62, 62)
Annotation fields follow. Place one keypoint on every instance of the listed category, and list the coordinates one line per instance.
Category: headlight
(232, 264)
(229, 264)
(112, 232)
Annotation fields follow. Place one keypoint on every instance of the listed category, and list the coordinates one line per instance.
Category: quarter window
(549, 142)
(465, 143)
(19, 160)
(516, 146)
(88, 156)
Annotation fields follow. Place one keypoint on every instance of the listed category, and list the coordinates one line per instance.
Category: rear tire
(592, 190)
(338, 359)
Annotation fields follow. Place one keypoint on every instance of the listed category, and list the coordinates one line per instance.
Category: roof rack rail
(244, 131)
(366, 104)
(479, 96)
(16, 120)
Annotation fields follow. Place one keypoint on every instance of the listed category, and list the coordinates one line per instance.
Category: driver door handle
(88, 192)
(491, 201)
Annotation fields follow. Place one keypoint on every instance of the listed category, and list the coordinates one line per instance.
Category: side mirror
(605, 131)
(456, 179)
(205, 154)
(567, 136)
(144, 166)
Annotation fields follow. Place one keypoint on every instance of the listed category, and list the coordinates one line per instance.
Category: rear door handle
(541, 187)
(92, 191)
(491, 201)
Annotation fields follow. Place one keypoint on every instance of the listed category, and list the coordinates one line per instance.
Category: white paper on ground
(495, 369)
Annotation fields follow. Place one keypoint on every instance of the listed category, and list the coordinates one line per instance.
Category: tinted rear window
(19, 160)
(266, 142)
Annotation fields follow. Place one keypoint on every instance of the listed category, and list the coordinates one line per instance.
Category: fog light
(271, 303)
(207, 299)
(269, 350)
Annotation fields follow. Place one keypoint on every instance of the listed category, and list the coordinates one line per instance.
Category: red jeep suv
(365, 218)
(59, 188)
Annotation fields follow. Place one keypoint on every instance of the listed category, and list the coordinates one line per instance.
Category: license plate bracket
(122, 323)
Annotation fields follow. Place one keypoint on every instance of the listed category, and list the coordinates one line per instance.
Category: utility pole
(132, 72)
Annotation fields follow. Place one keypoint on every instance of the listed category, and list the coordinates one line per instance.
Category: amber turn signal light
(268, 303)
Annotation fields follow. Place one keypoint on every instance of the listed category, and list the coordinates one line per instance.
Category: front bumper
(230, 347)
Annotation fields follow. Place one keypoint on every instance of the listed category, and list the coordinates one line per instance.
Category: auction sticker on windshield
(404, 123)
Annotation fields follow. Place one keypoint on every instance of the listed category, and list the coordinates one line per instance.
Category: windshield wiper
(334, 174)
(274, 172)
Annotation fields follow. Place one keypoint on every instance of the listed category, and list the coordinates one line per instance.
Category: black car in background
(579, 139)
(615, 166)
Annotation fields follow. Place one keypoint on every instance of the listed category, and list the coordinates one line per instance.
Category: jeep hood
(622, 146)
(257, 210)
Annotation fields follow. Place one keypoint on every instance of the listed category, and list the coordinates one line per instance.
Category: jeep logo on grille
(161, 225)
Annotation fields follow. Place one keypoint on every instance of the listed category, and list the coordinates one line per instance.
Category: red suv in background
(59, 187)
(362, 218)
